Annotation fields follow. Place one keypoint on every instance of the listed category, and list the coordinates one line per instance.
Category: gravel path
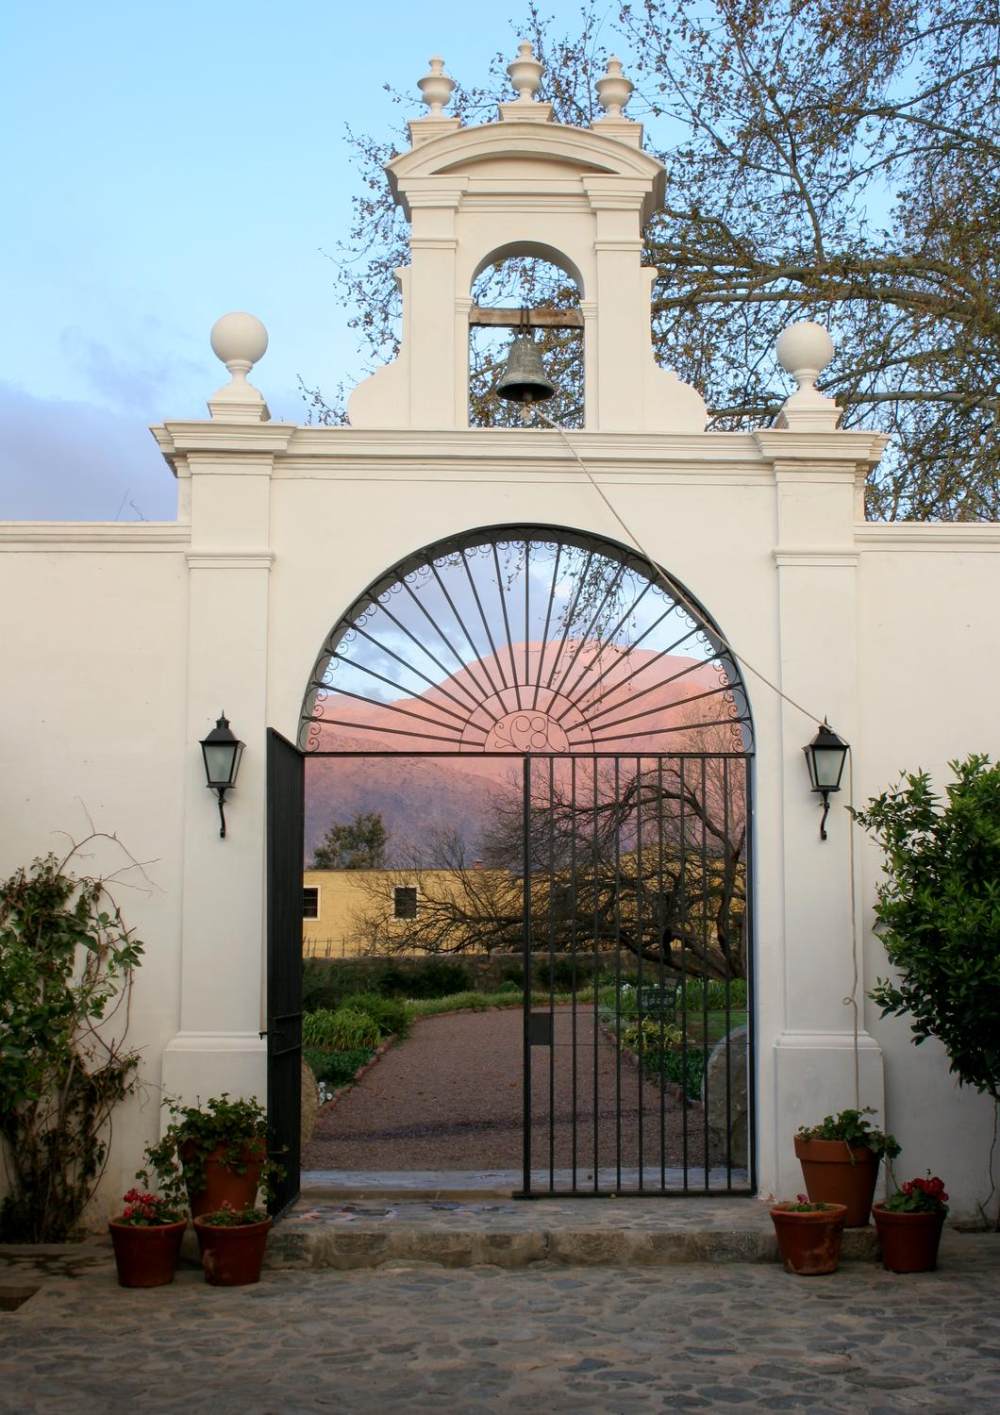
(450, 1098)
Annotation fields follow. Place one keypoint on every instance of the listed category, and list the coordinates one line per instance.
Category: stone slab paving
(409, 1337)
(347, 1233)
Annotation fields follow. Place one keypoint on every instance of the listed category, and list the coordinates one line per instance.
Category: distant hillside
(418, 796)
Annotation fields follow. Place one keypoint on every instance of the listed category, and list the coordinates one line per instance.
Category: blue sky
(167, 162)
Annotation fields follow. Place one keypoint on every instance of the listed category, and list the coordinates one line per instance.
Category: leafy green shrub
(510, 986)
(319, 986)
(347, 1029)
(698, 995)
(557, 973)
(390, 1014)
(938, 913)
(337, 1068)
(664, 1057)
(686, 1070)
(650, 1036)
(439, 977)
(710, 994)
(66, 965)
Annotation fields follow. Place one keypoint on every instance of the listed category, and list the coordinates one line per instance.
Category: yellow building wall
(345, 896)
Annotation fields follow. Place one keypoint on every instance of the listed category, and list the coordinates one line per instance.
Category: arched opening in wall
(518, 289)
(528, 807)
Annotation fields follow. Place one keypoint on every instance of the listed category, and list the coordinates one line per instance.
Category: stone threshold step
(502, 1183)
(326, 1233)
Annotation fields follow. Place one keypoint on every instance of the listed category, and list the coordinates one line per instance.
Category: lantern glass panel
(220, 762)
(828, 766)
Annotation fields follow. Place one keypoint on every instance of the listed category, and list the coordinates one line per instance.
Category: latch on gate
(540, 1029)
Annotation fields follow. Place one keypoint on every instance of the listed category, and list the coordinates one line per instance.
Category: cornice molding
(516, 448)
(94, 536)
(204, 436)
(951, 536)
(795, 446)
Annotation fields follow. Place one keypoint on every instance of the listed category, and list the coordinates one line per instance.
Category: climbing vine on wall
(66, 964)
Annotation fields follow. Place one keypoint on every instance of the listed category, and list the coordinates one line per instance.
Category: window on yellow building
(404, 902)
(310, 903)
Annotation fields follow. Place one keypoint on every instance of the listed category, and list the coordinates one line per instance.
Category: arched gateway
(524, 638)
(614, 824)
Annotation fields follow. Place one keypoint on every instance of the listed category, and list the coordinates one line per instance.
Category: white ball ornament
(804, 349)
(239, 338)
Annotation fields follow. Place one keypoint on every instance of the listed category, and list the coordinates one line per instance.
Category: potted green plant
(217, 1151)
(938, 915)
(840, 1159)
(809, 1235)
(232, 1243)
(146, 1237)
(909, 1225)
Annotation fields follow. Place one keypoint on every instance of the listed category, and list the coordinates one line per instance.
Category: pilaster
(823, 1061)
(227, 465)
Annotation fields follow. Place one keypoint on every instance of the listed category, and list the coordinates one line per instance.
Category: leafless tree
(652, 861)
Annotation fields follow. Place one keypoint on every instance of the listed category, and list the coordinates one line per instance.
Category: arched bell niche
(526, 287)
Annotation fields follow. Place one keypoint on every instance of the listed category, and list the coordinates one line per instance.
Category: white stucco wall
(94, 629)
(929, 671)
(124, 642)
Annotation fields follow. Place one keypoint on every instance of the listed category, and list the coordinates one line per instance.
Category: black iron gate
(285, 813)
(637, 964)
(623, 883)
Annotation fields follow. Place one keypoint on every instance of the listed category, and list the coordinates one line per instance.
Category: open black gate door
(285, 820)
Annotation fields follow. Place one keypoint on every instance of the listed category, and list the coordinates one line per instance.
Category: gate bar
(526, 968)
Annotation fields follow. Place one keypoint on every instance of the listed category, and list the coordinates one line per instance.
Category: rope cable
(851, 1000)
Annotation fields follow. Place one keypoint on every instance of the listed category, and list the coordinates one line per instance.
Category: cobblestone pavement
(409, 1337)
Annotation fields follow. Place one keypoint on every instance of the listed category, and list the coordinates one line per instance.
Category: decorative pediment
(545, 155)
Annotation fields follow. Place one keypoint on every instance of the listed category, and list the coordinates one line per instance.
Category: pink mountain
(578, 698)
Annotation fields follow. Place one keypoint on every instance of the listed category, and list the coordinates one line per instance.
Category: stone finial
(614, 90)
(436, 87)
(804, 350)
(525, 73)
(240, 341)
(526, 76)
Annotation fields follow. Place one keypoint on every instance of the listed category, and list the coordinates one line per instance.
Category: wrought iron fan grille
(524, 639)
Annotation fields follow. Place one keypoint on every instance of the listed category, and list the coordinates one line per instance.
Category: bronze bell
(523, 380)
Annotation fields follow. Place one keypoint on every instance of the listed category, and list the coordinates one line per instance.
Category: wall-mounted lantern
(825, 757)
(223, 753)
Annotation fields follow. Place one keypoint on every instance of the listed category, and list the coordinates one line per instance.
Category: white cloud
(63, 461)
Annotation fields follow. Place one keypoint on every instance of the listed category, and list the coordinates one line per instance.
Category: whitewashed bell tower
(526, 186)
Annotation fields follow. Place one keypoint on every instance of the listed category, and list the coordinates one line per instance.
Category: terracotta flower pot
(809, 1243)
(909, 1242)
(232, 1256)
(838, 1173)
(223, 1185)
(146, 1256)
